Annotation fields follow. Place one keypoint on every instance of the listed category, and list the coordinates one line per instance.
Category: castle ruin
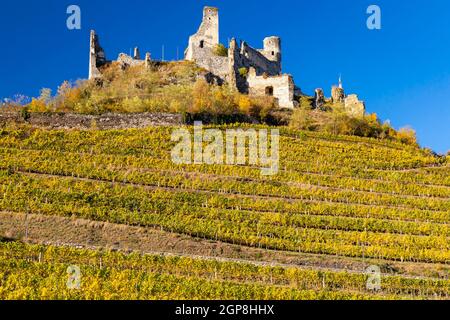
(352, 105)
(97, 57)
(248, 70)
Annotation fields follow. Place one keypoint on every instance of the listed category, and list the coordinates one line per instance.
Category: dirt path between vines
(61, 231)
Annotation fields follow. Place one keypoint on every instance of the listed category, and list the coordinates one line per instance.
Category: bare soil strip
(60, 231)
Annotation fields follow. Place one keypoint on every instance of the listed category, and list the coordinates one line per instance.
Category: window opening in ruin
(202, 44)
(269, 91)
(273, 53)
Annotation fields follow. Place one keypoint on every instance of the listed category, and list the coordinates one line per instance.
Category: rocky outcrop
(319, 98)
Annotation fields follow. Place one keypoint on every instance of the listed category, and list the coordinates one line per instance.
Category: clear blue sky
(402, 71)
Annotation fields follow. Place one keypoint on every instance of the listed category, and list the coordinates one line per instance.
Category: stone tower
(207, 35)
(337, 92)
(272, 48)
(137, 54)
(97, 56)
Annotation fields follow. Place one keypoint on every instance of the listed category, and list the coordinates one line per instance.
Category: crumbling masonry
(97, 58)
(249, 70)
(352, 105)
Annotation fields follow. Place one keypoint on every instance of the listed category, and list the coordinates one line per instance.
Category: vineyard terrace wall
(81, 121)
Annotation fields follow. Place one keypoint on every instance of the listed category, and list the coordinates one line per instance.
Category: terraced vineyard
(34, 272)
(360, 200)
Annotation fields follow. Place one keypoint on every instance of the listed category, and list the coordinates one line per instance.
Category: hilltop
(181, 88)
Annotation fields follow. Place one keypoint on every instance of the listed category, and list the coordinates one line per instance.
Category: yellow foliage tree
(244, 104)
(201, 96)
(37, 105)
(407, 135)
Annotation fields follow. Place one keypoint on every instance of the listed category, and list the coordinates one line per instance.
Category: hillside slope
(337, 206)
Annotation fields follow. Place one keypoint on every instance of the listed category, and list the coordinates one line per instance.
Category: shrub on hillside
(301, 119)
(43, 103)
(220, 50)
(243, 72)
(25, 114)
(337, 122)
(407, 135)
(306, 103)
(37, 105)
(262, 109)
(176, 87)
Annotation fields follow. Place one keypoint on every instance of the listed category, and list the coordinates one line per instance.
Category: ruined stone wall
(201, 50)
(202, 44)
(281, 87)
(97, 56)
(319, 98)
(126, 61)
(207, 35)
(250, 57)
(337, 94)
(354, 106)
(272, 49)
(105, 121)
(236, 80)
(218, 65)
